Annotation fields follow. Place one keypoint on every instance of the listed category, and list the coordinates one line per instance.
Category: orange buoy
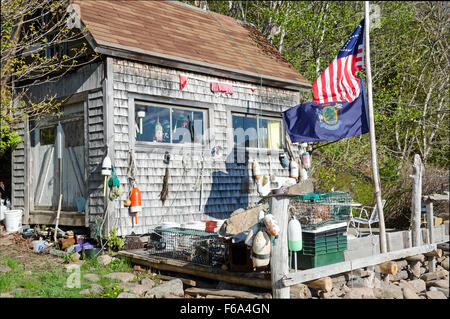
(136, 203)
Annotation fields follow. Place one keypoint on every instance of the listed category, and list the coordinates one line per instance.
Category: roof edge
(128, 52)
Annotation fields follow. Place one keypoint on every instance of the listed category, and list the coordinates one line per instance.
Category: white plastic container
(3, 208)
(13, 220)
(38, 245)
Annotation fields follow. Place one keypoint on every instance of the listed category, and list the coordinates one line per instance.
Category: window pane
(245, 131)
(155, 124)
(187, 126)
(73, 133)
(48, 135)
(270, 134)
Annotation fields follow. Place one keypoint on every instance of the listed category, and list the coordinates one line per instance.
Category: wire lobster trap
(192, 245)
(315, 210)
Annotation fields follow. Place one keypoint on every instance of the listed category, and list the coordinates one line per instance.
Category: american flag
(338, 83)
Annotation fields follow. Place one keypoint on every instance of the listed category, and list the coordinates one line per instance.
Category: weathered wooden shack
(197, 78)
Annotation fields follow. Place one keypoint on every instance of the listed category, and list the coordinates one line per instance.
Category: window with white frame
(169, 124)
(257, 131)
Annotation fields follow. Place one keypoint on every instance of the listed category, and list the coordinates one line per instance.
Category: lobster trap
(200, 247)
(315, 210)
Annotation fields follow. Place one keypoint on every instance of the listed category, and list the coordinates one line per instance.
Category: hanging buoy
(294, 235)
(251, 233)
(136, 203)
(256, 170)
(306, 160)
(140, 115)
(294, 239)
(271, 225)
(303, 174)
(293, 169)
(106, 171)
(261, 249)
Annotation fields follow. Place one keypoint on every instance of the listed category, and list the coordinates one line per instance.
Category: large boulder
(300, 291)
(360, 293)
(121, 276)
(241, 220)
(170, 289)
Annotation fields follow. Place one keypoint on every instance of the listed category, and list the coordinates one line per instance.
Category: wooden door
(46, 165)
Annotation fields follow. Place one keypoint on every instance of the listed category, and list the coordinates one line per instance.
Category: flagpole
(373, 147)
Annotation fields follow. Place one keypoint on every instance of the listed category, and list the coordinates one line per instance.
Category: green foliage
(114, 242)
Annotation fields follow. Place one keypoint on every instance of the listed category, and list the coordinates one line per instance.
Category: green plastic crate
(313, 261)
(324, 245)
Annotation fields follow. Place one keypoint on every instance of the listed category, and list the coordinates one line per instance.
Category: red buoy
(136, 203)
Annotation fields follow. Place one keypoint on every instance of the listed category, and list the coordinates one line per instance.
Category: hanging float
(293, 169)
(136, 202)
(106, 171)
(261, 249)
(256, 169)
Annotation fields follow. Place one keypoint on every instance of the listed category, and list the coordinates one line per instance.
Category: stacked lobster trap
(192, 245)
(315, 210)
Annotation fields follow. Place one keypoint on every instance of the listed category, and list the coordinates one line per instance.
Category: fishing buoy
(284, 160)
(140, 115)
(251, 233)
(261, 249)
(256, 170)
(303, 174)
(306, 160)
(271, 225)
(136, 203)
(294, 239)
(106, 171)
(293, 170)
(294, 235)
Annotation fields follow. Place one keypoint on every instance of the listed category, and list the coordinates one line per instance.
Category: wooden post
(430, 226)
(373, 147)
(416, 200)
(279, 266)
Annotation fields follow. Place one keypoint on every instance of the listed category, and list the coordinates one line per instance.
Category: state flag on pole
(339, 108)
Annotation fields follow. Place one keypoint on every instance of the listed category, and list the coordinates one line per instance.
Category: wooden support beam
(434, 275)
(416, 200)
(279, 263)
(220, 292)
(324, 271)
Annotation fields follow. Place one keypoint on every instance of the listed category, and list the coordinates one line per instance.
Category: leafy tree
(38, 44)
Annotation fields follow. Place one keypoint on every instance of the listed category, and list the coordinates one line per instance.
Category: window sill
(147, 146)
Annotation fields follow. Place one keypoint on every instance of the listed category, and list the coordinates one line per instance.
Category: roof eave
(133, 53)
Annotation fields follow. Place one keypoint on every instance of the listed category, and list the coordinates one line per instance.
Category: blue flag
(310, 122)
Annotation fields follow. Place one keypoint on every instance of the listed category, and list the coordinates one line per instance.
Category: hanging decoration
(114, 185)
(183, 81)
(158, 131)
(221, 87)
(165, 189)
(140, 115)
(293, 169)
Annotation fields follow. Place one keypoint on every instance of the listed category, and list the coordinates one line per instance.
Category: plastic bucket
(38, 245)
(13, 220)
(210, 225)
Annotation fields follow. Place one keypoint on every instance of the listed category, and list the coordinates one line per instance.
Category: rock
(4, 268)
(104, 260)
(443, 290)
(444, 263)
(135, 288)
(76, 256)
(392, 292)
(439, 283)
(360, 293)
(435, 294)
(328, 295)
(121, 276)
(356, 283)
(92, 277)
(409, 293)
(148, 282)
(85, 292)
(418, 284)
(300, 291)
(96, 288)
(6, 295)
(126, 295)
(241, 220)
(170, 289)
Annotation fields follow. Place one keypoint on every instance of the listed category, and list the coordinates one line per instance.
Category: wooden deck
(253, 279)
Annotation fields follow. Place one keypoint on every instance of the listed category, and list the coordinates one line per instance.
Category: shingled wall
(219, 192)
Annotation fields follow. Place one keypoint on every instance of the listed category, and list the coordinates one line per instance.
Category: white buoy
(271, 225)
(140, 115)
(303, 174)
(294, 238)
(261, 249)
(106, 171)
(293, 169)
